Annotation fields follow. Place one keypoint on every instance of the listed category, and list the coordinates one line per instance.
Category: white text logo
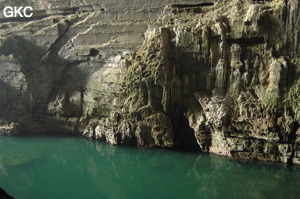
(18, 11)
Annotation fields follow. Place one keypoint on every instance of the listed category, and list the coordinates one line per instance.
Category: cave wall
(217, 76)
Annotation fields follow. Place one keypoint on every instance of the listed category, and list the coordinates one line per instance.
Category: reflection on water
(70, 167)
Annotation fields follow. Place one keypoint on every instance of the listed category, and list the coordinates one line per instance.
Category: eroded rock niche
(217, 76)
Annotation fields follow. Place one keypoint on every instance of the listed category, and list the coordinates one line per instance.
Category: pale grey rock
(220, 74)
(11, 130)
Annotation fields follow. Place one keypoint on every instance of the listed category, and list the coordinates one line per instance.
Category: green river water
(42, 167)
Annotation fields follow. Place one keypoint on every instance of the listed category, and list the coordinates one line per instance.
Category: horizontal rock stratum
(218, 76)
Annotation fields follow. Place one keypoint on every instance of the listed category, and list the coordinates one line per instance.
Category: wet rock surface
(218, 76)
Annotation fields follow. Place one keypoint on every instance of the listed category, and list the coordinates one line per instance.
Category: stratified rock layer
(221, 76)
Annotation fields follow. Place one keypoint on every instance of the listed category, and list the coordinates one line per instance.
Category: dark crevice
(191, 5)
(248, 41)
(261, 1)
(184, 136)
(93, 52)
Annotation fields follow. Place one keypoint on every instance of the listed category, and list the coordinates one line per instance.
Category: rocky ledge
(218, 76)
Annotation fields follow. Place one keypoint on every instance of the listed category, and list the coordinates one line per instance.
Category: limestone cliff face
(221, 76)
